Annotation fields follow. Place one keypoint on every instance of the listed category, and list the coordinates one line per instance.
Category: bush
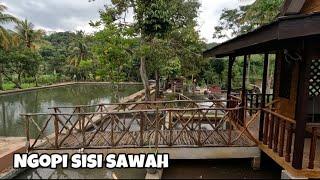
(47, 79)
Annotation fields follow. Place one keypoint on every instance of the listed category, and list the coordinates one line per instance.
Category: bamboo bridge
(184, 128)
(165, 126)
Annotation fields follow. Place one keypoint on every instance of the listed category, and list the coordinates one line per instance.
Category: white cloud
(71, 15)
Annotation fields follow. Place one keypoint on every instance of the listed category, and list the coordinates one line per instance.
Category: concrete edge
(12, 173)
(157, 175)
(61, 85)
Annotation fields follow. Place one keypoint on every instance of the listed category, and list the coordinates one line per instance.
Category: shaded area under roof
(269, 37)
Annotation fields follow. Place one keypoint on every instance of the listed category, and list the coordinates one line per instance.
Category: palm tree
(78, 52)
(4, 19)
(5, 38)
(26, 33)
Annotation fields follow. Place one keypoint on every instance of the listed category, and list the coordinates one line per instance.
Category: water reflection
(103, 173)
(11, 124)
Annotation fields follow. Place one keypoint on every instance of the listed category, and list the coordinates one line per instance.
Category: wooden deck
(305, 171)
(131, 139)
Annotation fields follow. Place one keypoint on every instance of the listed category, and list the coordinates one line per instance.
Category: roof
(268, 36)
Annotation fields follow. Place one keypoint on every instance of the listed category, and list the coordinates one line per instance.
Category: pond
(179, 169)
(12, 124)
(45, 173)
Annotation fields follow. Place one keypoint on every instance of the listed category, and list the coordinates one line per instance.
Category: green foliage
(162, 33)
(27, 35)
(5, 38)
(163, 38)
(18, 63)
(234, 22)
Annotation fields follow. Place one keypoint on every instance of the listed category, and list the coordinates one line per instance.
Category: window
(314, 78)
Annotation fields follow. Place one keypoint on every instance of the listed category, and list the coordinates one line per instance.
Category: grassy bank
(10, 86)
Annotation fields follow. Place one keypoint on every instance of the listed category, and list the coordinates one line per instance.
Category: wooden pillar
(244, 89)
(229, 83)
(264, 90)
(301, 105)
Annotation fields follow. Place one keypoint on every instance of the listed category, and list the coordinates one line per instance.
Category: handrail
(235, 97)
(272, 102)
(280, 116)
(138, 103)
(115, 129)
(134, 111)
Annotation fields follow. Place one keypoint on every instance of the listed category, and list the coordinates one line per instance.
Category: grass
(10, 86)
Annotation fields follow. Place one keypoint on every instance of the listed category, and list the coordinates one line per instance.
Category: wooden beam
(244, 75)
(293, 7)
(229, 83)
(301, 105)
(264, 90)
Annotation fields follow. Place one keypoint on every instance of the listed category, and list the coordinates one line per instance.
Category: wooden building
(288, 131)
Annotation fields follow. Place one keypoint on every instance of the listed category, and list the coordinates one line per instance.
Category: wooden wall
(311, 6)
(286, 106)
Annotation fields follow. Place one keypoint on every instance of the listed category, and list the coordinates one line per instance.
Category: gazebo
(293, 117)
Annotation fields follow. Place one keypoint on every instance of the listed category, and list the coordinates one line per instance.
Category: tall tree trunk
(144, 78)
(18, 84)
(157, 85)
(1, 78)
(269, 78)
(36, 80)
(248, 71)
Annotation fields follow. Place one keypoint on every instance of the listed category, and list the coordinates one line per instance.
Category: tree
(152, 19)
(113, 48)
(5, 37)
(78, 53)
(27, 34)
(262, 12)
(19, 62)
(231, 24)
(234, 22)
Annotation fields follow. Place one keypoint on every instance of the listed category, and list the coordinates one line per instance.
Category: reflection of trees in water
(3, 113)
(61, 173)
(38, 101)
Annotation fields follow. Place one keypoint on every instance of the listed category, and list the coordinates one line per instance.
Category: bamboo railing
(168, 127)
(278, 135)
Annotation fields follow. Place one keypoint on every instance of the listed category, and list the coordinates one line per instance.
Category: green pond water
(12, 124)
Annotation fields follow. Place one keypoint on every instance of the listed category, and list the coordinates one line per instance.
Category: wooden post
(157, 128)
(230, 64)
(244, 89)
(313, 146)
(170, 128)
(266, 129)
(282, 135)
(264, 90)
(112, 131)
(56, 131)
(83, 130)
(141, 129)
(301, 105)
(289, 143)
(27, 131)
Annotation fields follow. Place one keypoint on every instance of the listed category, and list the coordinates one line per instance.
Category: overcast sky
(71, 15)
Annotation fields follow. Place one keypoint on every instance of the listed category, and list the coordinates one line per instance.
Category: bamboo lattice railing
(170, 127)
